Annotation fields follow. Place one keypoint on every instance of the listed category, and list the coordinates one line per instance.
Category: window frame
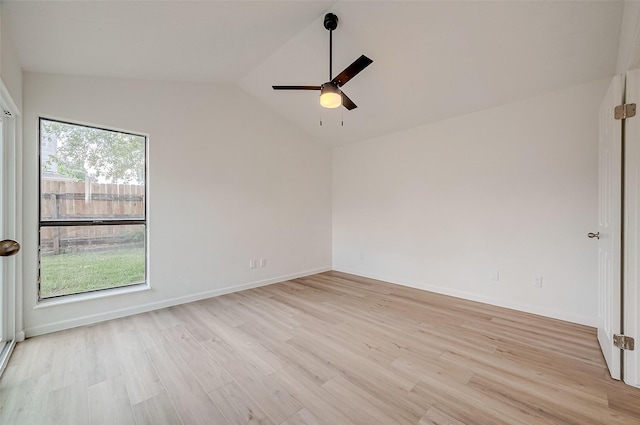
(90, 223)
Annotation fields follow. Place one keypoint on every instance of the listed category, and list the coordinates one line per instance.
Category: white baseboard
(142, 308)
(540, 311)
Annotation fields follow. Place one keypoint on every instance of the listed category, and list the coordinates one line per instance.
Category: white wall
(445, 206)
(10, 70)
(628, 49)
(229, 180)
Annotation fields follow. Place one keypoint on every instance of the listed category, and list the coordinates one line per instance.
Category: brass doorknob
(590, 235)
(9, 247)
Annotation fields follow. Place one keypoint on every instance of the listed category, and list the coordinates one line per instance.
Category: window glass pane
(76, 259)
(90, 174)
(93, 183)
(68, 200)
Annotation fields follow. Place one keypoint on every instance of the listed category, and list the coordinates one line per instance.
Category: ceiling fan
(330, 94)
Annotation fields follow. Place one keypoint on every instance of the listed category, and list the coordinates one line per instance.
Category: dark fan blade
(352, 70)
(296, 87)
(347, 103)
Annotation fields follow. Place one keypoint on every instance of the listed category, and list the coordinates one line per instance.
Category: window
(92, 209)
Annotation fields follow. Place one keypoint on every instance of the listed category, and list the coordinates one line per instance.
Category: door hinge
(624, 342)
(622, 112)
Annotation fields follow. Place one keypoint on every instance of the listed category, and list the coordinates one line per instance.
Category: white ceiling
(433, 60)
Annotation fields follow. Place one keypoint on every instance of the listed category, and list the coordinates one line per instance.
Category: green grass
(72, 273)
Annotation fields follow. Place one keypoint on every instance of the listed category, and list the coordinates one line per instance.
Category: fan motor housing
(330, 21)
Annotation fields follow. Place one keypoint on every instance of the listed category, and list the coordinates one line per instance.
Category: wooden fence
(66, 200)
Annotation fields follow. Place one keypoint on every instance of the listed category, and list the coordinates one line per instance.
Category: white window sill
(68, 299)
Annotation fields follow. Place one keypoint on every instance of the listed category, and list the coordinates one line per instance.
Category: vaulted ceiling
(433, 60)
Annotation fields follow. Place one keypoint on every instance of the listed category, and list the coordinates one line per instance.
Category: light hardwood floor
(332, 349)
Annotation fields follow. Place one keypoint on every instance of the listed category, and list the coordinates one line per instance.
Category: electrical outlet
(263, 262)
(537, 282)
(252, 264)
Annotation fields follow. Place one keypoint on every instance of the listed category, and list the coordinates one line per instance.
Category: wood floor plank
(537, 402)
(263, 311)
(342, 389)
(327, 349)
(580, 352)
(313, 397)
(109, 403)
(224, 308)
(244, 345)
(25, 402)
(513, 374)
(623, 401)
(421, 368)
(189, 398)
(194, 321)
(27, 360)
(305, 364)
(277, 403)
(68, 405)
(236, 405)
(165, 318)
(69, 361)
(102, 363)
(272, 398)
(147, 329)
(436, 417)
(303, 417)
(157, 410)
(469, 406)
(140, 377)
(341, 359)
(202, 364)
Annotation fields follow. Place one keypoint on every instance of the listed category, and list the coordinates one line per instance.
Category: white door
(4, 301)
(631, 324)
(609, 225)
(8, 231)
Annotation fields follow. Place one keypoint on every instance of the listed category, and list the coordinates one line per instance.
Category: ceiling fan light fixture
(330, 96)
